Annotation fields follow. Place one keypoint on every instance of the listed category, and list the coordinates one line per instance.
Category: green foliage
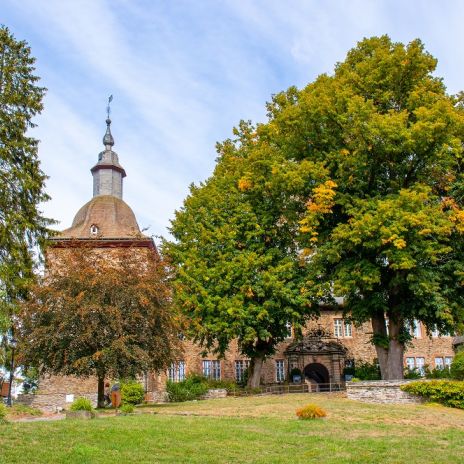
(92, 315)
(127, 408)
(22, 226)
(354, 187)
(412, 374)
(21, 409)
(192, 388)
(3, 412)
(448, 392)
(229, 385)
(81, 404)
(367, 371)
(31, 379)
(457, 366)
(310, 411)
(132, 392)
(438, 373)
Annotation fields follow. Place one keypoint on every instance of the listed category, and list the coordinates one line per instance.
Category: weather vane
(108, 109)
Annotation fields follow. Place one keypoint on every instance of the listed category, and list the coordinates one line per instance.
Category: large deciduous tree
(385, 227)
(98, 314)
(238, 276)
(353, 188)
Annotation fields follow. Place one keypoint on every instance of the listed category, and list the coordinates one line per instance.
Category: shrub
(3, 411)
(127, 408)
(367, 371)
(132, 392)
(81, 404)
(310, 411)
(448, 392)
(457, 366)
(192, 388)
(412, 374)
(436, 373)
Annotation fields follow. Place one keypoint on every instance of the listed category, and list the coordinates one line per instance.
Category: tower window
(93, 230)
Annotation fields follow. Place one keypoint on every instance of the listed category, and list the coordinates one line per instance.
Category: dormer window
(93, 230)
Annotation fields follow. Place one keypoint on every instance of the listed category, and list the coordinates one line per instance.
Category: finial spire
(108, 140)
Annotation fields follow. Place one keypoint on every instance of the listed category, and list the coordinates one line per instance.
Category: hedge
(448, 392)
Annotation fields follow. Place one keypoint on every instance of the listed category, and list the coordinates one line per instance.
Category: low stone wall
(215, 393)
(381, 391)
(53, 401)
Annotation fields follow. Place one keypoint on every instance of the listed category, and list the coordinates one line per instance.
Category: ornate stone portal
(320, 358)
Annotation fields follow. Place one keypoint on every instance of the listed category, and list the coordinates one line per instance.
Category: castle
(330, 344)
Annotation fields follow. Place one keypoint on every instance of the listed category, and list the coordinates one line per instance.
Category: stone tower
(105, 224)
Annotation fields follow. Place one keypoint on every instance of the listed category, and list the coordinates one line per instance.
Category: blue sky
(183, 73)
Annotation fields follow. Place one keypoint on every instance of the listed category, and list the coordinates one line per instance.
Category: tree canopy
(238, 276)
(22, 182)
(101, 314)
(354, 186)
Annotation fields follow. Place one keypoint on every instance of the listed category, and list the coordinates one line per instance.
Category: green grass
(246, 430)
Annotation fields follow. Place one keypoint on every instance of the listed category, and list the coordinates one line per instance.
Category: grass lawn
(246, 430)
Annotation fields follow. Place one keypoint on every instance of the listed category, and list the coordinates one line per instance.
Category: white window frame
(338, 327)
(241, 365)
(410, 363)
(347, 329)
(415, 329)
(420, 365)
(439, 362)
(212, 369)
(176, 371)
(280, 370)
(448, 360)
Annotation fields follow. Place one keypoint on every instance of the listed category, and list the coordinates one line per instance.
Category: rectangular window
(280, 370)
(420, 365)
(410, 363)
(439, 363)
(435, 333)
(348, 329)
(338, 327)
(176, 371)
(241, 365)
(212, 369)
(448, 361)
(342, 328)
(416, 329)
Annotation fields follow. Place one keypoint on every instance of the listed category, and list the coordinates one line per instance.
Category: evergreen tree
(22, 225)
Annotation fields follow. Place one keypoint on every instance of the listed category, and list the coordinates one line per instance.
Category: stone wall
(215, 393)
(380, 391)
(52, 401)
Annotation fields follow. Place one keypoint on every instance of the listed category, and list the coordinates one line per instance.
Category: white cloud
(183, 73)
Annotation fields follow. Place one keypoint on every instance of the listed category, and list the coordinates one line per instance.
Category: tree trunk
(395, 369)
(379, 327)
(254, 373)
(101, 391)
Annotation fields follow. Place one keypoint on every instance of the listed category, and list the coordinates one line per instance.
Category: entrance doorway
(319, 374)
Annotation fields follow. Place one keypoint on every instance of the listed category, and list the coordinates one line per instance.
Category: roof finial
(108, 140)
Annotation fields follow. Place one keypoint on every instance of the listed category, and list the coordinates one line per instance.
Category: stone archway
(317, 372)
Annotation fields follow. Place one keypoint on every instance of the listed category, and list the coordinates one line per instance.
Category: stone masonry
(381, 391)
